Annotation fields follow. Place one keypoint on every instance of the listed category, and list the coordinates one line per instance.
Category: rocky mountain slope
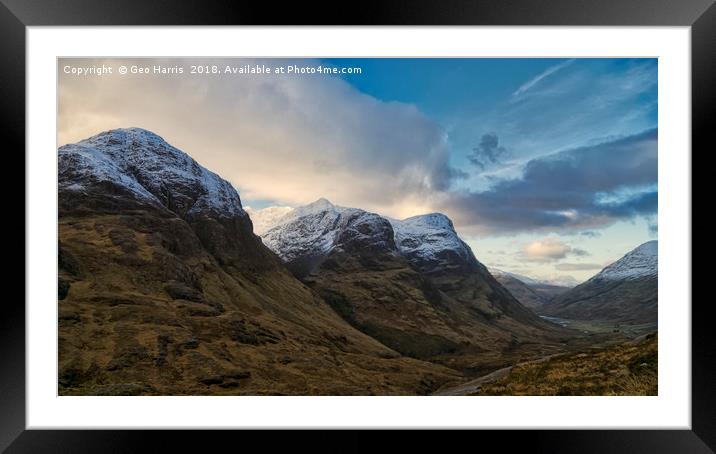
(624, 292)
(413, 284)
(165, 289)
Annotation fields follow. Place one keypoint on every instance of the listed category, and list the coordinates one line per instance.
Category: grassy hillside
(628, 369)
(146, 310)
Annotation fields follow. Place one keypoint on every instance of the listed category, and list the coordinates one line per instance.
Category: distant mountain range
(561, 281)
(530, 292)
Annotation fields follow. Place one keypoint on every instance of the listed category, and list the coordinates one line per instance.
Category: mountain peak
(125, 135)
(648, 248)
(145, 165)
(321, 204)
(430, 238)
(640, 262)
(437, 221)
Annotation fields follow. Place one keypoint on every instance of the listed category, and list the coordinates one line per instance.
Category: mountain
(524, 292)
(559, 281)
(530, 292)
(306, 236)
(412, 284)
(624, 292)
(640, 263)
(520, 277)
(165, 289)
(563, 282)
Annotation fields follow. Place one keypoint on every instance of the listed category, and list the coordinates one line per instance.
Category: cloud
(487, 152)
(565, 191)
(652, 225)
(545, 250)
(546, 73)
(549, 250)
(286, 138)
(290, 140)
(594, 98)
(579, 252)
(653, 229)
(578, 266)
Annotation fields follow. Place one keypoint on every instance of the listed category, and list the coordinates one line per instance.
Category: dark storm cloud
(587, 187)
(487, 152)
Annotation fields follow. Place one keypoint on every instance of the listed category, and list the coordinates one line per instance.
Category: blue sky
(547, 167)
(534, 106)
(530, 110)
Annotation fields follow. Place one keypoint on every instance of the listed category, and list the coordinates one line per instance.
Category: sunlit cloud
(282, 138)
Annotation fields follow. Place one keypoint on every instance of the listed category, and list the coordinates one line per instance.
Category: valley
(168, 286)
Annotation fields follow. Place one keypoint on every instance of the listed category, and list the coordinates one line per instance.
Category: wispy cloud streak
(535, 80)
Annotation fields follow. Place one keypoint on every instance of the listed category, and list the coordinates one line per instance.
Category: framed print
(441, 218)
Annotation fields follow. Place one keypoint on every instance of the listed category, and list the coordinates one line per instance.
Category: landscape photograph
(357, 226)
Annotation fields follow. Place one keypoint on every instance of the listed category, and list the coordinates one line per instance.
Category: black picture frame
(16, 15)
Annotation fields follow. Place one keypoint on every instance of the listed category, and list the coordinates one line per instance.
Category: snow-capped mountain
(147, 235)
(557, 281)
(625, 291)
(319, 227)
(309, 233)
(152, 171)
(413, 284)
(135, 171)
(498, 273)
(560, 281)
(430, 238)
(156, 253)
(643, 261)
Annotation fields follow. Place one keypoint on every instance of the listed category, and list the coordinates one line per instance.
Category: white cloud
(545, 250)
(290, 139)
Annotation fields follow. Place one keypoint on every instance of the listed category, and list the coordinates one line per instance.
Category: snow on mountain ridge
(522, 278)
(154, 171)
(316, 229)
(642, 261)
(561, 281)
(426, 236)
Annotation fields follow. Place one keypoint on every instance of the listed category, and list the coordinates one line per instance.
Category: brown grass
(629, 369)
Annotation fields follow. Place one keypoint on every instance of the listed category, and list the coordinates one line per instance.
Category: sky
(547, 167)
